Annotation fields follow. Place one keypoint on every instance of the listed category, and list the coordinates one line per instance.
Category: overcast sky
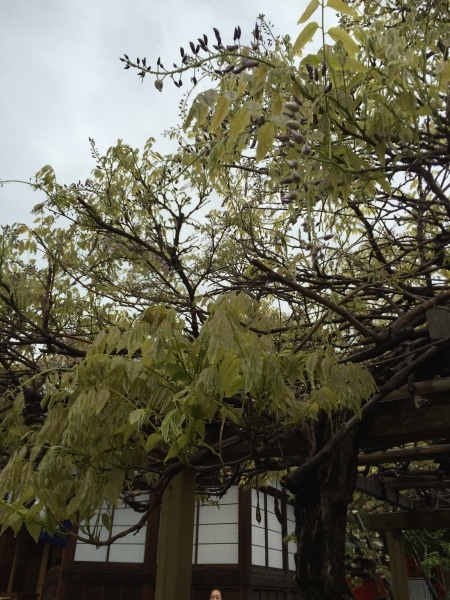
(62, 81)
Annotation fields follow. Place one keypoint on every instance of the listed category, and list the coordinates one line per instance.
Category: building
(237, 547)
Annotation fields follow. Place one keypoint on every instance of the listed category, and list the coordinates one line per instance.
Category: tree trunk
(321, 500)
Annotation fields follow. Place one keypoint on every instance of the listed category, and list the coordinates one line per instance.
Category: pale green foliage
(163, 391)
(247, 287)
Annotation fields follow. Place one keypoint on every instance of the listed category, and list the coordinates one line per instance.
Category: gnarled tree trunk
(322, 494)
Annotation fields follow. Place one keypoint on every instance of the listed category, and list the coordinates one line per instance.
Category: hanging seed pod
(258, 514)
(292, 124)
(276, 508)
(297, 137)
(324, 69)
(310, 70)
(292, 106)
(287, 180)
(217, 34)
(306, 149)
(290, 197)
(295, 176)
(292, 164)
(249, 63)
(328, 87)
(159, 85)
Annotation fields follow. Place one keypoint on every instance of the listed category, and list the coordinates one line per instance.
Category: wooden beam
(400, 455)
(415, 483)
(384, 493)
(395, 422)
(415, 519)
(397, 564)
(424, 388)
(174, 570)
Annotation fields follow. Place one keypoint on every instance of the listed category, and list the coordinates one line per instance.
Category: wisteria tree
(268, 281)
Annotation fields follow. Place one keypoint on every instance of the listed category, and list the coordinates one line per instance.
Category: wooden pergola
(407, 426)
(419, 418)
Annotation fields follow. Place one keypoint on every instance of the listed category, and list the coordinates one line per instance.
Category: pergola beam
(415, 519)
(384, 493)
(403, 454)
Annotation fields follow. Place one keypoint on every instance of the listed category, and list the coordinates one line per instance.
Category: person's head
(216, 595)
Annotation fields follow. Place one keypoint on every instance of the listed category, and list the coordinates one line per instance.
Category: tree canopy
(269, 278)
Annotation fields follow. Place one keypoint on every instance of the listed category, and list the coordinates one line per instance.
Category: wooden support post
(398, 564)
(174, 570)
(43, 569)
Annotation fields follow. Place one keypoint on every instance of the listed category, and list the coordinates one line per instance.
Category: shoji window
(292, 546)
(216, 531)
(267, 535)
(129, 549)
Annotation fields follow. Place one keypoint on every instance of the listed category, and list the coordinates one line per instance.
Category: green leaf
(343, 8)
(34, 529)
(443, 74)
(253, 107)
(107, 521)
(266, 137)
(311, 364)
(309, 11)
(112, 339)
(172, 452)
(101, 400)
(339, 35)
(222, 108)
(152, 441)
(239, 123)
(305, 36)
(136, 415)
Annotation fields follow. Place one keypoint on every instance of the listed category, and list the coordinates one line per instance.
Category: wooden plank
(415, 483)
(424, 388)
(397, 564)
(396, 422)
(415, 519)
(382, 492)
(402, 454)
(174, 569)
(42, 570)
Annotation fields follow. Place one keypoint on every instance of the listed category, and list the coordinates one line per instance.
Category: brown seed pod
(297, 137)
(292, 124)
(292, 106)
(295, 176)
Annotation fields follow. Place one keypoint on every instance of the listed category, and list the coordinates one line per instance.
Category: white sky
(62, 81)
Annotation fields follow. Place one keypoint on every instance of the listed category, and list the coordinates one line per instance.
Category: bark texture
(322, 496)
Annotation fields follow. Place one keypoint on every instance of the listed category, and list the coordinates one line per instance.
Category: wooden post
(42, 570)
(398, 564)
(174, 570)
